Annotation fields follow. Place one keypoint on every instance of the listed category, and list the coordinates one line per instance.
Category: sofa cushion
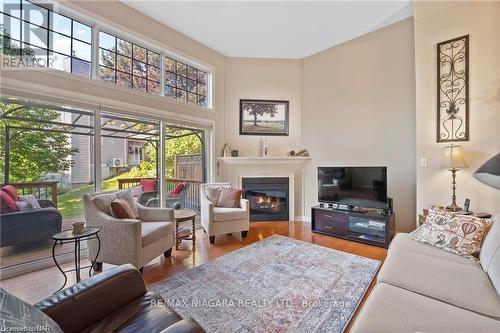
(7, 204)
(455, 233)
(19, 316)
(222, 214)
(404, 241)
(154, 231)
(229, 198)
(390, 309)
(460, 285)
(120, 209)
(491, 244)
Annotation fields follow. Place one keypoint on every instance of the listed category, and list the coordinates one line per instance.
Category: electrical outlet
(424, 162)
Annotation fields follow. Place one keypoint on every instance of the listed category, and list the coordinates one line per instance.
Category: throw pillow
(31, 200)
(103, 201)
(136, 191)
(7, 204)
(11, 191)
(213, 194)
(149, 185)
(178, 190)
(19, 316)
(120, 209)
(229, 198)
(452, 232)
(23, 206)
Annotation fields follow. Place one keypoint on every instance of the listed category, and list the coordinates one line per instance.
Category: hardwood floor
(37, 285)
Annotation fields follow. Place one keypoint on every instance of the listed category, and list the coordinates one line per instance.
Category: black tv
(353, 186)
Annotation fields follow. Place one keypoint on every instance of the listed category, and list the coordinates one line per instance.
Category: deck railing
(192, 197)
(41, 190)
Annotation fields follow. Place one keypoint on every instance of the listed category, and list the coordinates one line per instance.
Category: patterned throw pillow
(213, 194)
(229, 198)
(19, 316)
(452, 232)
(31, 200)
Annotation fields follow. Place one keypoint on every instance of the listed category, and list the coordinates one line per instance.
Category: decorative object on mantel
(453, 90)
(226, 150)
(300, 153)
(234, 153)
(489, 172)
(453, 161)
(264, 150)
(263, 117)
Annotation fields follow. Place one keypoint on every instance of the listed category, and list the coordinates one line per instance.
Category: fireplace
(268, 198)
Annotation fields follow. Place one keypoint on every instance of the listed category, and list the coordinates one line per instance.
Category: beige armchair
(135, 241)
(219, 220)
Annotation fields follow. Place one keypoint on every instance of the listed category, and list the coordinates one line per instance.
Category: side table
(68, 236)
(183, 215)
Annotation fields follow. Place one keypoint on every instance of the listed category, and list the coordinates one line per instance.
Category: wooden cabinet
(370, 227)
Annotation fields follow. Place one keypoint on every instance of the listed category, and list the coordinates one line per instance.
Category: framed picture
(263, 117)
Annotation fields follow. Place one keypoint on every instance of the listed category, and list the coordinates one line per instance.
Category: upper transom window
(127, 64)
(185, 83)
(51, 39)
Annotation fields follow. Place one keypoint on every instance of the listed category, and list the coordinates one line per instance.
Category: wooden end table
(183, 215)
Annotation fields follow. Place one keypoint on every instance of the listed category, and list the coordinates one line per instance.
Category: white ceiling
(286, 29)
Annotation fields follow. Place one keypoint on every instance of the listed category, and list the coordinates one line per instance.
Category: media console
(368, 227)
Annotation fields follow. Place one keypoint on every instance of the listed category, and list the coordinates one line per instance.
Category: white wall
(358, 108)
(440, 21)
(248, 78)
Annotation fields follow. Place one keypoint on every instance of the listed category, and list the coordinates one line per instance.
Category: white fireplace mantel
(264, 160)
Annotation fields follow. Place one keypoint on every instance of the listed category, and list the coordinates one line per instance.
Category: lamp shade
(489, 172)
(453, 158)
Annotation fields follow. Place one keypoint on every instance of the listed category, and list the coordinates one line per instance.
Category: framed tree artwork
(263, 117)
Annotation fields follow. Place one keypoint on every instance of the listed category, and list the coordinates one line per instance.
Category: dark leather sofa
(31, 226)
(115, 300)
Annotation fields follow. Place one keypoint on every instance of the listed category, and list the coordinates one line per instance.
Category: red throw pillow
(149, 185)
(120, 209)
(178, 189)
(229, 198)
(7, 204)
(11, 190)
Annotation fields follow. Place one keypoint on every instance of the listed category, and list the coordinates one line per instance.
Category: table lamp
(453, 161)
(489, 172)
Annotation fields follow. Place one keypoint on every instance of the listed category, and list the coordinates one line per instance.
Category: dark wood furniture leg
(168, 253)
(244, 234)
(212, 239)
(141, 270)
(97, 266)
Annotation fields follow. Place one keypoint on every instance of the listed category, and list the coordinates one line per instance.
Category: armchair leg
(141, 270)
(244, 233)
(168, 253)
(97, 266)
(212, 239)
(204, 231)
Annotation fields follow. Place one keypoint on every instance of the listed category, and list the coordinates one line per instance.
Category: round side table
(68, 236)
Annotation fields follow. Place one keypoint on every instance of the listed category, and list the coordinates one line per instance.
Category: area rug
(278, 284)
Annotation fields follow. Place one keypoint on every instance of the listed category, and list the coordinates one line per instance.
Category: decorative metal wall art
(453, 90)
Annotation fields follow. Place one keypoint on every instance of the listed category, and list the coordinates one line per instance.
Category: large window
(52, 39)
(185, 83)
(128, 65)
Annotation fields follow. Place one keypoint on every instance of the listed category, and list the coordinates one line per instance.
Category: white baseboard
(11, 271)
(302, 219)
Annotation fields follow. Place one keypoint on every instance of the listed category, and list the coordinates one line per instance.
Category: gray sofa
(421, 288)
(21, 228)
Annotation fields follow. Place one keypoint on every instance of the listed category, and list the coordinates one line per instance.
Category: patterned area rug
(275, 285)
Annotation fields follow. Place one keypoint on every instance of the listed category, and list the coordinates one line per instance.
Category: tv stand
(366, 226)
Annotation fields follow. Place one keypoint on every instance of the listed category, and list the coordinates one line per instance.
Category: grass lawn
(70, 203)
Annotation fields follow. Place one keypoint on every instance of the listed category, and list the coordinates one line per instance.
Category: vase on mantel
(264, 150)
